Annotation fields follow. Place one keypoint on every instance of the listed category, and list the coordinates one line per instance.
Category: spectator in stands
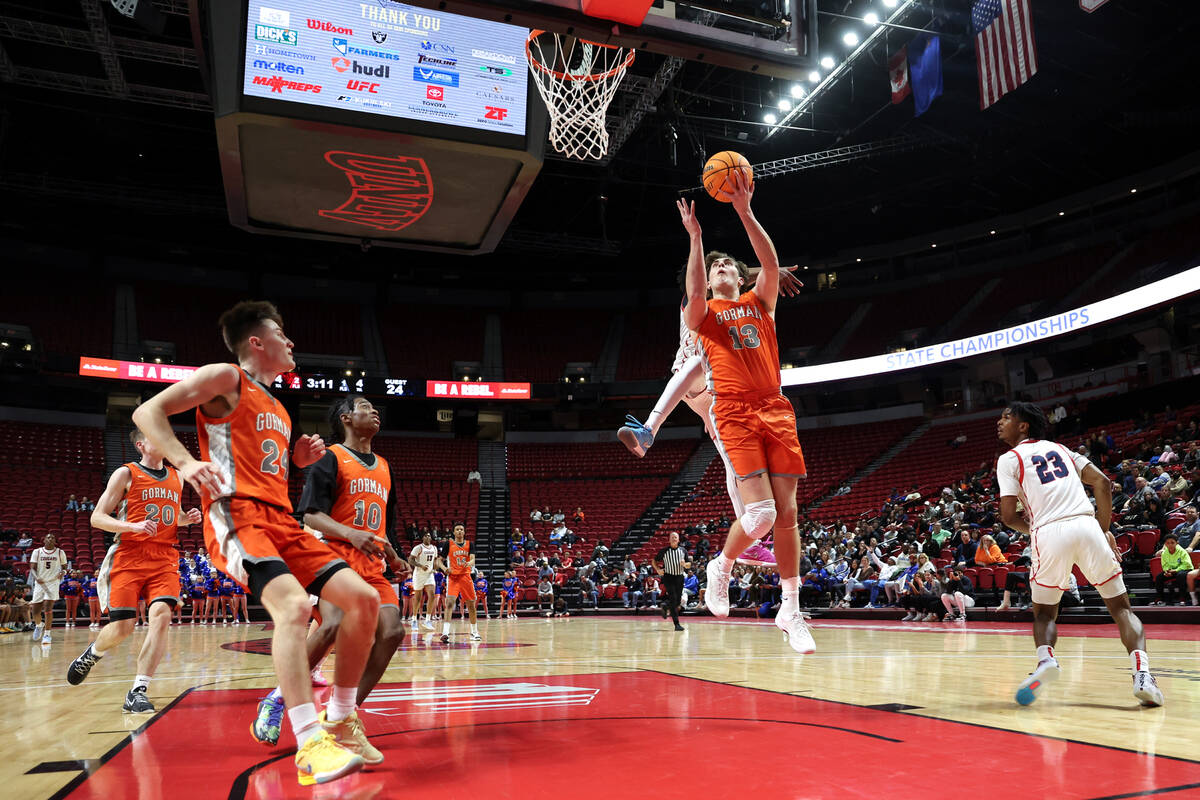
(72, 504)
(545, 571)
(546, 515)
(633, 590)
(1119, 498)
(1179, 488)
(958, 441)
(858, 579)
(588, 591)
(545, 593)
(86, 506)
(842, 490)
(474, 477)
(560, 606)
(578, 517)
(1014, 582)
(530, 543)
(1188, 531)
(518, 559)
(922, 598)
(651, 589)
(1176, 564)
(629, 568)
(939, 534)
(600, 552)
(559, 517)
(964, 554)
(25, 542)
(988, 552)
(1160, 479)
(957, 596)
(691, 589)
(535, 515)
(558, 532)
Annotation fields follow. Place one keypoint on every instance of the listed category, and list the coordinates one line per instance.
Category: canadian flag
(898, 73)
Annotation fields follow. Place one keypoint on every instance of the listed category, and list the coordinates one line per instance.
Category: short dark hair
(136, 436)
(238, 323)
(1170, 536)
(713, 255)
(343, 405)
(1032, 415)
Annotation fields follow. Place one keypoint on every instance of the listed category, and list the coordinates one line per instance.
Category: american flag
(1005, 56)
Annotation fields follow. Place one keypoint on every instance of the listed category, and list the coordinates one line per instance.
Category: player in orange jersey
(140, 505)
(242, 477)
(755, 424)
(348, 502)
(460, 561)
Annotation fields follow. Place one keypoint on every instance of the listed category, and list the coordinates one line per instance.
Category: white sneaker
(427, 624)
(796, 631)
(1146, 690)
(475, 637)
(46, 640)
(717, 595)
(907, 617)
(1046, 672)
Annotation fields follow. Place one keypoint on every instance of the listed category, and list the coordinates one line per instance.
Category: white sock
(475, 629)
(791, 592)
(1194, 600)
(1046, 653)
(675, 391)
(341, 703)
(1139, 661)
(725, 565)
(304, 722)
(141, 683)
(97, 652)
(445, 629)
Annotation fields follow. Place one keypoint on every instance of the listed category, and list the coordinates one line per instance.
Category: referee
(669, 563)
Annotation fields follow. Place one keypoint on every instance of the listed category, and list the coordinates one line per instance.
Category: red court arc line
(78, 780)
(1164, 790)
(240, 784)
(940, 719)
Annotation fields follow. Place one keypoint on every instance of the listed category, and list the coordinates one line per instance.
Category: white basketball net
(577, 79)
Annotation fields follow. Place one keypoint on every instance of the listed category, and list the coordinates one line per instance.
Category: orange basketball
(717, 172)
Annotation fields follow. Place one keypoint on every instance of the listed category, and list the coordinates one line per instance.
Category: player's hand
(194, 516)
(789, 284)
(364, 541)
(146, 526)
(742, 193)
(204, 476)
(308, 451)
(687, 215)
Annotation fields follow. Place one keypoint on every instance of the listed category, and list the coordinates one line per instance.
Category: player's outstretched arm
(695, 281)
(767, 285)
(102, 518)
(153, 418)
(789, 284)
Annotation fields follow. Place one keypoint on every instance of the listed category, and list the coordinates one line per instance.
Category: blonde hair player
(1064, 530)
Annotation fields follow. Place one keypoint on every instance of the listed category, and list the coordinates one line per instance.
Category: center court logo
(437, 76)
(387, 194)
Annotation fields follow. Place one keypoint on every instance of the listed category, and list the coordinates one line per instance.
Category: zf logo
(492, 112)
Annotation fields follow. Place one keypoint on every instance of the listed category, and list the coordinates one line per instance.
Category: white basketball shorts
(41, 593)
(1064, 543)
(422, 578)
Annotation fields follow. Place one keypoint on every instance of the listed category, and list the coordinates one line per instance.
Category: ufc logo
(363, 86)
(434, 92)
(493, 112)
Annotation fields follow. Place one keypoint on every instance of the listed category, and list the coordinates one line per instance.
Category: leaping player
(250, 534)
(1064, 531)
(349, 503)
(459, 585)
(753, 422)
(140, 505)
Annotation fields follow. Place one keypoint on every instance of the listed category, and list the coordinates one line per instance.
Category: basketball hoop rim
(562, 76)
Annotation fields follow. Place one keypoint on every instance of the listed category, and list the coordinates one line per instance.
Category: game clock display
(344, 384)
(388, 59)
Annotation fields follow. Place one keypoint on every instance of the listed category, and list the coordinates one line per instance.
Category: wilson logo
(387, 194)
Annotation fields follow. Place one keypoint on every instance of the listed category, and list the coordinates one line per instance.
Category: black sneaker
(678, 627)
(663, 609)
(137, 703)
(445, 638)
(81, 666)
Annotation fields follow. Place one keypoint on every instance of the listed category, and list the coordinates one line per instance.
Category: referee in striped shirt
(669, 563)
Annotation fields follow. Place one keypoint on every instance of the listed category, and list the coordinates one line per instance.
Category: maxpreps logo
(438, 76)
(278, 66)
(345, 48)
(270, 33)
(329, 27)
(278, 84)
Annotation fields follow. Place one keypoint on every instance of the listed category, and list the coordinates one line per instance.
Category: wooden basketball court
(595, 706)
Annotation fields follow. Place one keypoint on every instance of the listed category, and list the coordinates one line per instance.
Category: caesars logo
(496, 94)
(269, 33)
(386, 194)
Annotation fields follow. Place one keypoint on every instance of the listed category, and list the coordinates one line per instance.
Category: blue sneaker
(636, 436)
(1046, 672)
(265, 728)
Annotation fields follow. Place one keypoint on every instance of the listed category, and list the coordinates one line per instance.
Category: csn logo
(496, 113)
(436, 47)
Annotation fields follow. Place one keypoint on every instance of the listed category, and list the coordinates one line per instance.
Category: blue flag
(925, 70)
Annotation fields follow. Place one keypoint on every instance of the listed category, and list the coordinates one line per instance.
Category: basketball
(717, 173)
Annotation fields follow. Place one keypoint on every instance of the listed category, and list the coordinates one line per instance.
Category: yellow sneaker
(349, 733)
(321, 759)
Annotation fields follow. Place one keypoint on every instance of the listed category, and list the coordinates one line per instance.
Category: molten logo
(329, 27)
(278, 84)
(340, 64)
(435, 93)
(492, 112)
(387, 194)
(362, 86)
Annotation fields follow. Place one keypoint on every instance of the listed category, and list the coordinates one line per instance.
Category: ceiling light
(827, 62)
(798, 92)
(806, 266)
(1133, 191)
(993, 233)
(784, 104)
(1061, 213)
(851, 38)
(933, 245)
(871, 18)
(769, 118)
(814, 76)
(891, 3)
(858, 259)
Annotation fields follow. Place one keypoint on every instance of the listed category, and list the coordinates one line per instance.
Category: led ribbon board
(1072, 321)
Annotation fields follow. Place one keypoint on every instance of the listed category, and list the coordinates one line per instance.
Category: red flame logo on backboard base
(385, 193)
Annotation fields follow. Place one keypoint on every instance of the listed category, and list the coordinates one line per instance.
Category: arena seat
(434, 358)
(538, 343)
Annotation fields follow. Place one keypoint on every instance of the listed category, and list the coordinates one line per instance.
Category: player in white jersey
(46, 564)
(1064, 530)
(689, 385)
(424, 560)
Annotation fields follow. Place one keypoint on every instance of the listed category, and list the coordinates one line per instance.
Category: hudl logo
(379, 71)
(436, 47)
(387, 194)
(492, 112)
(435, 76)
(269, 33)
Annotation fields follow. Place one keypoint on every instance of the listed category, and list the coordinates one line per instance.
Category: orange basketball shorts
(140, 570)
(757, 435)
(460, 586)
(368, 569)
(241, 533)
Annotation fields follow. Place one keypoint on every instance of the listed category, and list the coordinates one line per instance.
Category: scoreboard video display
(388, 59)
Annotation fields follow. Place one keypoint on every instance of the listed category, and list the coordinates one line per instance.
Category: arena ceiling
(107, 143)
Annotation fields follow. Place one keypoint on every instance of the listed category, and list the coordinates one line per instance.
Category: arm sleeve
(1006, 474)
(318, 485)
